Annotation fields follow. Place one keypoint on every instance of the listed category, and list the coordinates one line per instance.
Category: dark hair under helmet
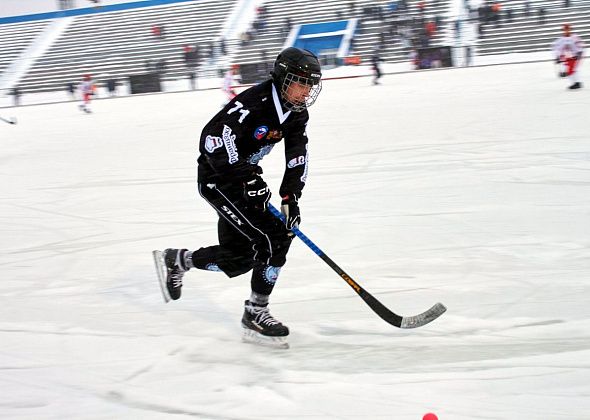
(295, 65)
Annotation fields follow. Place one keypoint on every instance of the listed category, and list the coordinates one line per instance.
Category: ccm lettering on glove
(290, 209)
(257, 193)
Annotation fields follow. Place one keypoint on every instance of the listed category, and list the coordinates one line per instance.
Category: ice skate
(170, 268)
(576, 85)
(260, 327)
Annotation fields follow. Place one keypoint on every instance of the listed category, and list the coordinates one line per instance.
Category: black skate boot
(261, 327)
(174, 260)
(576, 85)
(170, 268)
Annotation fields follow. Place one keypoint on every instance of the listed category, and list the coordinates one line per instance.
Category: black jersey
(245, 130)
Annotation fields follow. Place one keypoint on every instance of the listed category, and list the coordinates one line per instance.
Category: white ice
(470, 187)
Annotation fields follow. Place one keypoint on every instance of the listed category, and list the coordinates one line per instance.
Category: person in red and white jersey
(568, 51)
(87, 89)
(229, 82)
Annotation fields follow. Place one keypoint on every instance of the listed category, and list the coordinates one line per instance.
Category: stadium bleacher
(116, 44)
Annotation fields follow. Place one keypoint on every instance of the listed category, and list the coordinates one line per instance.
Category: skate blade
(253, 337)
(162, 273)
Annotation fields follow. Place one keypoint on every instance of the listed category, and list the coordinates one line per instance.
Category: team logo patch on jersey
(212, 267)
(260, 132)
(304, 176)
(271, 274)
(229, 140)
(274, 135)
(257, 157)
(299, 160)
(212, 143)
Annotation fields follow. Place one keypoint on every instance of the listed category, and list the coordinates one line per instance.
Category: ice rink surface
(470, 187)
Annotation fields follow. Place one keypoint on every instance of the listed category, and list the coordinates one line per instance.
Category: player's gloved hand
(290, 209)
(257, 193)
(558, 60)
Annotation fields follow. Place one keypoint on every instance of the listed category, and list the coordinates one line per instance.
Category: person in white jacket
(568, 50)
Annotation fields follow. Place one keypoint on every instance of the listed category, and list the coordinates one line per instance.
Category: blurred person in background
(468, 55)
(421, 7)
(16, 94)
(568, 50)
(186, 55)
(161, 66)
(527, 8)
(112, 87)
(229, 81)
(192, 79)
(375, 60)
(232, 145)
(71, 89)
(158, 31)
(430, 28)
(414, 59)
(65, 4)
(541, 13)
(508, 14)
(87, 90)
(287, 25)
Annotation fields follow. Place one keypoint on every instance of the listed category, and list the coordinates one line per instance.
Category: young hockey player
(568, 51)
(230, 180)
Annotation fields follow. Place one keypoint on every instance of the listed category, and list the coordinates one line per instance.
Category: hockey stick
(9, 121)
(377, 307)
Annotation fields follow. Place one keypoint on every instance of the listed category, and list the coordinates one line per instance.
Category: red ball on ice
(429, 416)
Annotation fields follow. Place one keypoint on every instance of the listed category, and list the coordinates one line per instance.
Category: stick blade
(423, 318)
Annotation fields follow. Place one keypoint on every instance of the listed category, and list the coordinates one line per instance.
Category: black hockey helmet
(295, 65)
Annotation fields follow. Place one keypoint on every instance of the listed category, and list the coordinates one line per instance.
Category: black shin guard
(264, 278)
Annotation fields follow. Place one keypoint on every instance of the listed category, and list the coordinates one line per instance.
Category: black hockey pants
(248, 238)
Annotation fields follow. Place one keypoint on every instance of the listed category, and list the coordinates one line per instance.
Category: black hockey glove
(257, 193)
(290, 210)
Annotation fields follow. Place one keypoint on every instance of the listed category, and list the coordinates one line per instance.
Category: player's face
(297, 92)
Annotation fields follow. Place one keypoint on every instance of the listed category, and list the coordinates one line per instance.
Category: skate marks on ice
(502, 348)
(150, 404)
(354, 346)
